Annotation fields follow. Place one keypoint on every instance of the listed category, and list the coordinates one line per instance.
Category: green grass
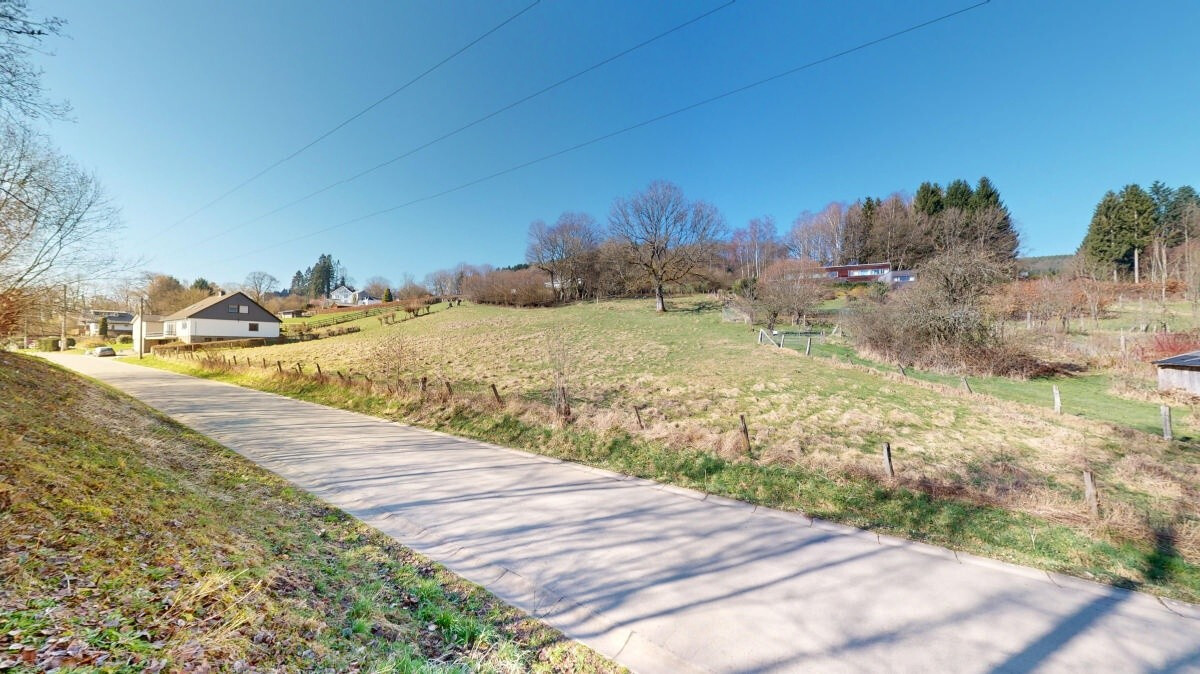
(1089, 396)
(132, 543)
(848, 496)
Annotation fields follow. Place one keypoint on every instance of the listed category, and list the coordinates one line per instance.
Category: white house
(348, 296)
(119, 322)
(219, 317)
(343, 295)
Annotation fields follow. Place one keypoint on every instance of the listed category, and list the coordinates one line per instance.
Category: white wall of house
(151, 327)
(192, 330)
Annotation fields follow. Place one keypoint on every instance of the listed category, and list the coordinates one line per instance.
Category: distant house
(119, 322)
(292, 313)
(898, 277)
(343, 295)
(1180, 372)
(857, 273)
(218, 317)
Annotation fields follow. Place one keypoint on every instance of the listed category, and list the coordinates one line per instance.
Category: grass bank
(133, 544)
(907, 507)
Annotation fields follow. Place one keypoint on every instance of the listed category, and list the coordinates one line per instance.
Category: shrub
(523, 288)
(942, 321)
(125, 339)
(51, 343)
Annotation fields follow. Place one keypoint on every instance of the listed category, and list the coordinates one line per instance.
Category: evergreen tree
(1106, 241)
(299, 284)
(202, 284)
(958, 195)
(104, 326)
(929, 199)
(985, 195)
(387, 295)
(1137, 215)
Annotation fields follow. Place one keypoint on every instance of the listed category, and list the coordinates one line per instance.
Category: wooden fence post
(449, 391)
(299, 368)
(903, 372)
(279, 365)
(1123, 344)
(496, 395)
(966, 386)
(1090, 494)
(887, 460)
(235, 360)
(424, 384)
(745, 431)
(1166, 422)
(808, 347)
(638, 413)
(1057, 400)
(264, 363)
(319, 373)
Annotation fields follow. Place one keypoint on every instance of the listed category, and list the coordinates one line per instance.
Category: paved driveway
(663, 581)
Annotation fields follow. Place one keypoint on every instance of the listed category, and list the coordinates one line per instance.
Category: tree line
(659, 238)
(1136, 225)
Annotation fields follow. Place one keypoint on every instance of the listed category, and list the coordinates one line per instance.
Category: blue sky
(176, 102)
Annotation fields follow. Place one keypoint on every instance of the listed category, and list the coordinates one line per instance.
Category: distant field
(692, 375)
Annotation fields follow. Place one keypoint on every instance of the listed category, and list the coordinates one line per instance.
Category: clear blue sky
(176, 102)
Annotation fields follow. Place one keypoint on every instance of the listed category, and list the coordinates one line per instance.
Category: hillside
(133, 544)
(691, 376)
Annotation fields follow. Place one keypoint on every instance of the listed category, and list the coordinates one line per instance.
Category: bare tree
(819, 236)
(258, 284)
(21, 95)
(377, 286)
(790, 288)
(665, 235)
(54, 218)
(564, 250)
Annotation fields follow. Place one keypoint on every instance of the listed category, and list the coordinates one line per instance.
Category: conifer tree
(958, 195)
(929, 199)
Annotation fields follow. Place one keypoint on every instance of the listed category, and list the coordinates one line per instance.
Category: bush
(524, 288)
(942, 321)
(125, 339)
(92, 343)
(51, 343)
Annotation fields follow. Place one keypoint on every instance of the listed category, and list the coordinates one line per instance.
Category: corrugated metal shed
(1189, 359)
(1180, 372)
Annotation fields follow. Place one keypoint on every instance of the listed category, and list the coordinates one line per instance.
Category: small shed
(1180, 372)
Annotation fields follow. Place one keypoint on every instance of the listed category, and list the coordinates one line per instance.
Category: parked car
(103, 351)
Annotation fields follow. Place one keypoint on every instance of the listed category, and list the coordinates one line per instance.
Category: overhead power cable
(351, 118)
(624, 130)
(497, 111)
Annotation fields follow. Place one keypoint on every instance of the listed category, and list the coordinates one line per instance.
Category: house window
(169, 328)
(866, 272)
(254, 327)
(232, 308)
(243, 309)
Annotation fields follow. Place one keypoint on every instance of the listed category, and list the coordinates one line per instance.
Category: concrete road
(663, 580)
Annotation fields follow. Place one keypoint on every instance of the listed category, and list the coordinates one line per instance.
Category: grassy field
(132, 544)
(815, 424)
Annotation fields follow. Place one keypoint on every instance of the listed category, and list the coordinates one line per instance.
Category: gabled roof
(188, 312)
(1189, 359)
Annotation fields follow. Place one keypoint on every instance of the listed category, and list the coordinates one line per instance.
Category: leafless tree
(55, 221)
(668, 237)
(789, 288)
(258, 284)
(377, 286)
(755, 246)
(564, 250)
(21, 95)
(819, 236)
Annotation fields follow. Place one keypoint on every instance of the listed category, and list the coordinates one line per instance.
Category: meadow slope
(691, 375)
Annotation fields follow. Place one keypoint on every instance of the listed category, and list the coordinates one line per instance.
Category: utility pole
(1137, 276)
(62, 344)
(141, 326)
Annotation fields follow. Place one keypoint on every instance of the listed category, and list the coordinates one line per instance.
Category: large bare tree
(668, 237)
(258, 284)
(564, 250)
(55, 221)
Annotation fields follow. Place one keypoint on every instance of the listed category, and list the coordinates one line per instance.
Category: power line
(350, 119)
(464, 127)
(624, 130)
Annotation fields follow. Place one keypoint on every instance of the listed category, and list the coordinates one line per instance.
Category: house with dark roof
(1180, 372)
(119, 322)
(219, 317)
